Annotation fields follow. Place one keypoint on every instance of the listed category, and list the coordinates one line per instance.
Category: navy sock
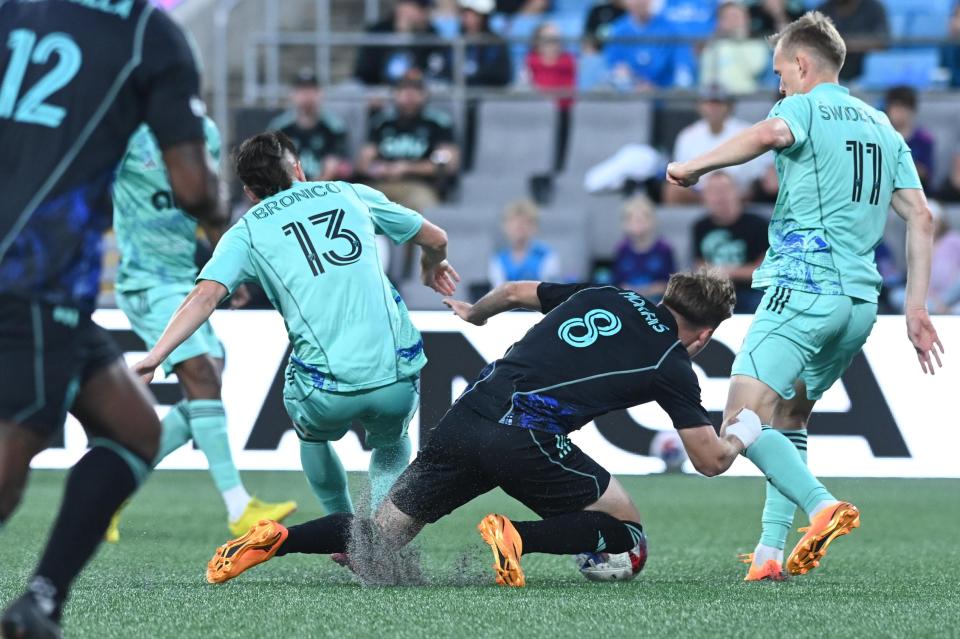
(96, 487)
(573, 533)
(322, 536)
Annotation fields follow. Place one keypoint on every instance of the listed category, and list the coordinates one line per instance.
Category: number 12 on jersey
(333, 220)
(32, 108)
(873, 149)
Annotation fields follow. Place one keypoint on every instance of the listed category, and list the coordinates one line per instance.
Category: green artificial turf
(894, 577)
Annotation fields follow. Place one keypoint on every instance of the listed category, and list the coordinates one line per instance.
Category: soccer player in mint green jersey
(356, 354)
(841, 166)
(157, 242)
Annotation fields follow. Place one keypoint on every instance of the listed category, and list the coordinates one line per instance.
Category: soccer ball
(606, 566)
(668, 447)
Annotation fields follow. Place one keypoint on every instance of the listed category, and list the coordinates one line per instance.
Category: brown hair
(704, 298)
(262, 163)
(815, 32)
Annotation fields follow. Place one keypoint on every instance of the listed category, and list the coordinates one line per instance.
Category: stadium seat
(915, 67)
(938, 114)
(600, 129)
(516, 138)
(754, 109)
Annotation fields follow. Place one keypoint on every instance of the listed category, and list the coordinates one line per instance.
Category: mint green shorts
(804, 336)
(149, 311)
(322, 416)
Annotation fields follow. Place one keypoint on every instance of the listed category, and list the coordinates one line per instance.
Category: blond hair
(704, 298)
(523, 207)
(638, 204)
(816, 33)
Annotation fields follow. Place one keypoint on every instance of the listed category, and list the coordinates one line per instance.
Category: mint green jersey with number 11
(836, 184)
(312, 248)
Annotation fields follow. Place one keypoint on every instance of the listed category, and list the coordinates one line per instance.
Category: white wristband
(747, 427)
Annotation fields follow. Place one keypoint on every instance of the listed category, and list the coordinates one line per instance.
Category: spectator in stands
(729, 238)
(863, 24)
(731, 60)
(488, 63)
(601, 18)
(644, 260)
(387, 64)
(717, 125)
(524, 7)
(771, 16)
(552, 69)
(944, 296)
(641, 66)
(410, 150)
(320, 137)
(951, 52)
(524, 257)
(950, 189)
(591, 65)
(894, 279)
(901, 108)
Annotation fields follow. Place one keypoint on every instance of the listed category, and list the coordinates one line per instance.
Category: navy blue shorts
(468, 455)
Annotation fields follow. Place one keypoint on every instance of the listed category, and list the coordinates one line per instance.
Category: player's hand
(680, 174)
(924, 338)
(440, 277)
(241, 297)
(463, 310)
(145, 369)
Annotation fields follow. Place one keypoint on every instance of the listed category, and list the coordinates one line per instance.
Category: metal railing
(263, 52)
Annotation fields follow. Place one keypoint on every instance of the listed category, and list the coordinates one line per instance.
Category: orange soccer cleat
(505, 542)
(771, 570)
(258, 545)
(830, 523)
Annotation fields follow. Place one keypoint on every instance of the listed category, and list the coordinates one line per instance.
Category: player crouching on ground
(598, 349)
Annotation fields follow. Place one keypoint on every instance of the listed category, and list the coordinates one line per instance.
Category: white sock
(236, 500)
(762, 554)
(821, 506)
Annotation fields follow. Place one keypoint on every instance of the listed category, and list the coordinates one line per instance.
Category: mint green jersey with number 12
(312, 248)
(836, 184)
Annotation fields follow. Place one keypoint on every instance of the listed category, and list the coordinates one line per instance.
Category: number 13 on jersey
(333, 220)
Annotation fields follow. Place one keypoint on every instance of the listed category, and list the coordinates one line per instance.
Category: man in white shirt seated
(715, 126)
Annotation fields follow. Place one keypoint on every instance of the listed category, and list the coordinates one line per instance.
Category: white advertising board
(884, 419)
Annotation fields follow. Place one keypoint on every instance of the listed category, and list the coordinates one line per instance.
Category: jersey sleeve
(168, 81)
(231, 264)
(397, 222)
(212, 136)
(796, 111)
(553, 295)
(677, 391)
(907, 176)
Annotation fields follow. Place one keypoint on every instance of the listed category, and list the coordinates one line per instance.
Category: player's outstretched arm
(435, 270)
(911, 205)
(712, 455)
(505, 297)
(743, 147)
(193, 312)
(195, 184)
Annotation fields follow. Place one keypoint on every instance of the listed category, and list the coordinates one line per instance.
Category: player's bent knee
(139, 466)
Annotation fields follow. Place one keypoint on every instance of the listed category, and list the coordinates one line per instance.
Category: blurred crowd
(636, 45)
(413, 153)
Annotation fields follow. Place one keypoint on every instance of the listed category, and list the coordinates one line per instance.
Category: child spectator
(524, 257)
(901, 108)
(552, 69)
(644, 261)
